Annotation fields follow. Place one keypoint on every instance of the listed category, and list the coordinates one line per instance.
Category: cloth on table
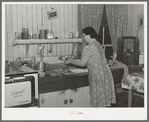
(117, 64)
(135, 81)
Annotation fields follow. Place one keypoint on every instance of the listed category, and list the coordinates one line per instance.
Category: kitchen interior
(40, 37)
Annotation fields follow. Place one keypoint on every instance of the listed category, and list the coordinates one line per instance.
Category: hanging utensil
(40, 49)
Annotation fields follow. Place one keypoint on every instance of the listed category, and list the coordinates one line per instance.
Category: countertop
(64, 82)
(22, 70)
(74, 81)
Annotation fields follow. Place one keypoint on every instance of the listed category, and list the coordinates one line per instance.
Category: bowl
(15, 65)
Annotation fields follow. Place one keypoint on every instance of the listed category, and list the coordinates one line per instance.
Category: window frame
(103, 44)
(103, 40)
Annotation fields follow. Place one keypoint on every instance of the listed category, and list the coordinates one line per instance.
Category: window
(106, 42)
(104, 36)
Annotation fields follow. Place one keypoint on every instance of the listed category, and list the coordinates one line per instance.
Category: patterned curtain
(135, 13)
(89, 15)
(117, 16)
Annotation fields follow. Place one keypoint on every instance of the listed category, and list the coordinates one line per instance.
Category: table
(134, 82)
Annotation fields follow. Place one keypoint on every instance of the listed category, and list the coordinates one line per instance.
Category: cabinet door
(82, 97)
(64, 100)
(69, 96)
(52, 99)
(42, 100)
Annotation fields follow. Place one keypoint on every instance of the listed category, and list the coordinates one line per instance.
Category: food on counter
(58, 72)
(64, 58)
(15, 64)
(66, 70)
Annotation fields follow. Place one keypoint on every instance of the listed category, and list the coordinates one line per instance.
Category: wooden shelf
(45, 41)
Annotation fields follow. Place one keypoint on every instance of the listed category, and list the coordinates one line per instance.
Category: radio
(128, 50)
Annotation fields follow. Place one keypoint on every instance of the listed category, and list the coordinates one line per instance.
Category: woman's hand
(68, 61)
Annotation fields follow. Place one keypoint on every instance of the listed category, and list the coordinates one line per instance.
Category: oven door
(20, 93)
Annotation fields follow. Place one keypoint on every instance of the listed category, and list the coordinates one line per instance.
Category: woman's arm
(77, 62)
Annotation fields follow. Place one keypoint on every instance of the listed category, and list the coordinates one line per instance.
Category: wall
(135, 13)
(34, 17)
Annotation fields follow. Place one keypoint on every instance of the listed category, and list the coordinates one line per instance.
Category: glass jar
(50, 35)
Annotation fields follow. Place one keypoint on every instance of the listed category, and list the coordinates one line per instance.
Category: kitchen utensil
(40, 50)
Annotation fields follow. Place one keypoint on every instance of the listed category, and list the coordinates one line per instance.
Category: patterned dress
(102, 90)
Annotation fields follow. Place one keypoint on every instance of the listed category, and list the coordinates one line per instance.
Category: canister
(45, 33)
(41, 35)
(17, 35)
(25, 30)
(41, 66)
(24, 35)
(34, 36)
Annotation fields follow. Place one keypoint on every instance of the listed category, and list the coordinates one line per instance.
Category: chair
(117, 77)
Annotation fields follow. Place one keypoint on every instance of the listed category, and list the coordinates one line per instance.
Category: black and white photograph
(74, 60)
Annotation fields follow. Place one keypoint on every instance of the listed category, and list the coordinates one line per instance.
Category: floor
(122, 100)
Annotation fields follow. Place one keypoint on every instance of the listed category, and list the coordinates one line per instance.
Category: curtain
(135, 13)
(89, 15)
(117, 16)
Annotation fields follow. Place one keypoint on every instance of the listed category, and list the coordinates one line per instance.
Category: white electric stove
(21, 88)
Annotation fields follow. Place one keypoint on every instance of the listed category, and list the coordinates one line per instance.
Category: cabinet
(67, 98)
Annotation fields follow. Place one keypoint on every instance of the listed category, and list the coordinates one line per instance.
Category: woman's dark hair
(90, 31)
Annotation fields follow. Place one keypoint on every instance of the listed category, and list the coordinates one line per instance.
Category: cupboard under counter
(69, 90)
(64, 91)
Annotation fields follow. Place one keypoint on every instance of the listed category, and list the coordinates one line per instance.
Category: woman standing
(102, 91)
